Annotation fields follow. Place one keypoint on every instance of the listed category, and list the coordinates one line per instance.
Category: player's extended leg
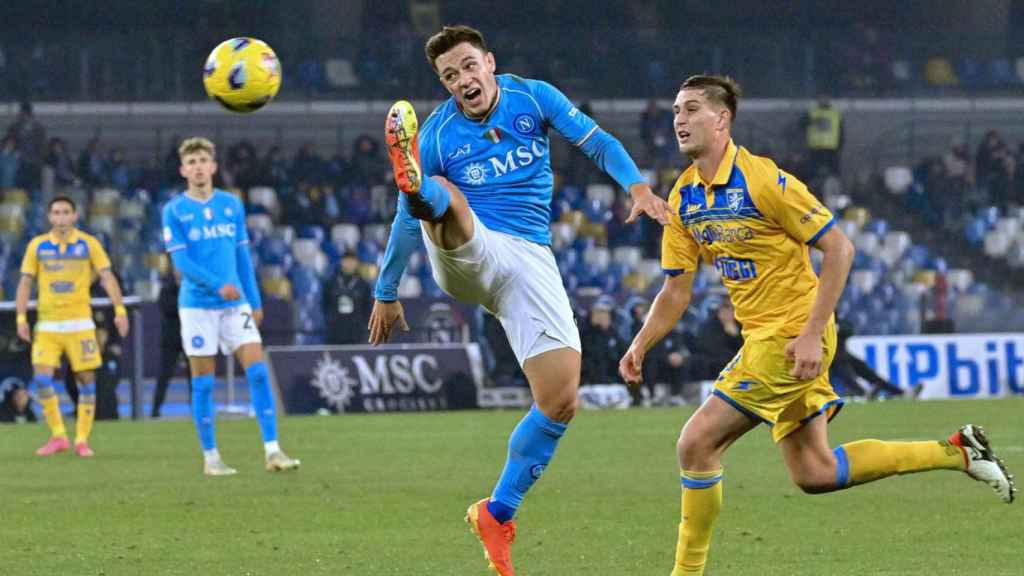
(816, 468)
(86, 411)
(554, 381)
(202, 369)
(703, 440)
(250, 356)
(432, 200)
(42, 381)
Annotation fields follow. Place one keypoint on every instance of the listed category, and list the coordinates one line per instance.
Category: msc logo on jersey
(211, 232)
(735, 198)
(475, 173)
(525, 124)
(517, 158)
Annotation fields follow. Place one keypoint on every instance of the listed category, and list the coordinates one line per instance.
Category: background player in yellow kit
(755, 222)
(63, 261)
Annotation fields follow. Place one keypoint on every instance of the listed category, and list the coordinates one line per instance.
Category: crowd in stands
(319, 226)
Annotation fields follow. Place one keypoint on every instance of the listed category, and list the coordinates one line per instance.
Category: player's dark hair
(721, 90)
(451, 36)
(56, 199)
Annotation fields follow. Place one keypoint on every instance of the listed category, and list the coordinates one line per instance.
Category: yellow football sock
(51, 409)
(868, 460)
(702, 500)
(86, 414)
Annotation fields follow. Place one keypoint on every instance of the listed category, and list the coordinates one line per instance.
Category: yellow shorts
(757, 382)
(81, 347)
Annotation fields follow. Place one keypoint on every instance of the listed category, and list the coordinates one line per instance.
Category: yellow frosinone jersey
(754, 223)
(64, 272)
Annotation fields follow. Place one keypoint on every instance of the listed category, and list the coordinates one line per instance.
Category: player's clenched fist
(631, 365)
(383, 318)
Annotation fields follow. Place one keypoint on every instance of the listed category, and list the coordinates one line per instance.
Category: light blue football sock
(530, 448)
(430, 203)
(262, 400)
(203, 410)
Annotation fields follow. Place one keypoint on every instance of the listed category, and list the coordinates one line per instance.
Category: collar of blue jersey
(724, 168)
(73, 237)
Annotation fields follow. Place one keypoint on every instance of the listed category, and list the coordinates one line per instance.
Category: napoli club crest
(525, 124)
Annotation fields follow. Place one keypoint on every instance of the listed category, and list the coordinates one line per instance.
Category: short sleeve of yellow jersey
(30, 263)
(791, 205)
(97, 255)
(679, 251)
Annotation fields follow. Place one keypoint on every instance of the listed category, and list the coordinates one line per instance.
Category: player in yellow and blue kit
(219, 302)
(476, 186)
(755, 223)
(63, 263)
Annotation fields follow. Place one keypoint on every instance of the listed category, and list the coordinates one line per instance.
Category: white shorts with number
(514, 279)
(203, 330)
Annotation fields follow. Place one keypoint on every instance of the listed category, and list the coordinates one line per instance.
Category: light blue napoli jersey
(209, 233)
(502, 164)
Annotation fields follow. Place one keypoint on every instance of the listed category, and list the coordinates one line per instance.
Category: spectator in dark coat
(347, 304)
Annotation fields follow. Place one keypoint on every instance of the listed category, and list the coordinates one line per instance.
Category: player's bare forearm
(669, 305)
(835, 268)
(111, 287)
(22, 294)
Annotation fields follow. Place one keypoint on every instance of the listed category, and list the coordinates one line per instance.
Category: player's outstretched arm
(806, 349)
(113, 290)
(21, 306)
(669, 305)
(387, 310)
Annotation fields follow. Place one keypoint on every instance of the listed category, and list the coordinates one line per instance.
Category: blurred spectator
(622, 234)
(637, 308)
(60, 162)
(957, 163)
(170, 340)
(10, 161)
(241, 162)
(367, 165)
(658, 133)
(347, 304)
(92, 167)
(16, 406)
(307, 166)
(602, 345)
(823, 124)
(274, 171)
(672, 363)
(994, 166)
(120, 173)
(30, 140)
(848, 371)
(718, 339)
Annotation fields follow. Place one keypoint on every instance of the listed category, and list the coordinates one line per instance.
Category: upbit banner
(953, 366)
(390, 378)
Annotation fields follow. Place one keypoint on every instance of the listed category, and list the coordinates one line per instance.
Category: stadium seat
(277, 287)
(266, 197)
(857, 215)
(284, 233)
(409, 287)
(305, 251)
(867, 243)
(377, 233)
(1008, 225)
(864, 280)
(960, 279)
(898, 179)
(16, 196)
(311, 232)
(599, 257)
(340, 73)
(100, 222)
(602, 193)
(628, 255)
(939, 72)
(259, 223)
(345, 236)
(997, 244)
(562, 235)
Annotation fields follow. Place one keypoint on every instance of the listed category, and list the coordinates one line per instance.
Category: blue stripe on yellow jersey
(64, 271)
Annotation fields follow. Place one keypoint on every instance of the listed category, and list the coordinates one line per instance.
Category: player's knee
(695, 452)
(561, 408)
(814, 484)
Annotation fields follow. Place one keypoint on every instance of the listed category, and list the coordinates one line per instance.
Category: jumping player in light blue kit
(204, 232)
(476, 185)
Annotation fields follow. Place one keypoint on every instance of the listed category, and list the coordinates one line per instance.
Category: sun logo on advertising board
(333, 382)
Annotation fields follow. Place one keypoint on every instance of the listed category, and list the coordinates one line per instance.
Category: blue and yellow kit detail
(64, 272)
(755, 223)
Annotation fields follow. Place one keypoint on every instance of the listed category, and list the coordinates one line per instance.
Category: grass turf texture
(385, 494)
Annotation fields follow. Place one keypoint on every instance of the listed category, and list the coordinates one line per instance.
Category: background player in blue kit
(204, 232)
(476, 184)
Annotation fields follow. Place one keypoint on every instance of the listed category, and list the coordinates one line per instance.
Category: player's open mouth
(682, 136)
(471, 95)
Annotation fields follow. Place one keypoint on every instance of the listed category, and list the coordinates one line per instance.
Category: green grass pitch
(385, 495)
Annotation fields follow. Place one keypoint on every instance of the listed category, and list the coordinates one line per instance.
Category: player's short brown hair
(65, 199)
(721, 90)
(451, 36)
(198, 144)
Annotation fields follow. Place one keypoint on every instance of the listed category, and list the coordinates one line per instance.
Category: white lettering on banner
(525, 155)
(955, 366)
(397, 374)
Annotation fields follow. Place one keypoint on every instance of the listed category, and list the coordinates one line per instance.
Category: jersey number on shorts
(248, 321)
